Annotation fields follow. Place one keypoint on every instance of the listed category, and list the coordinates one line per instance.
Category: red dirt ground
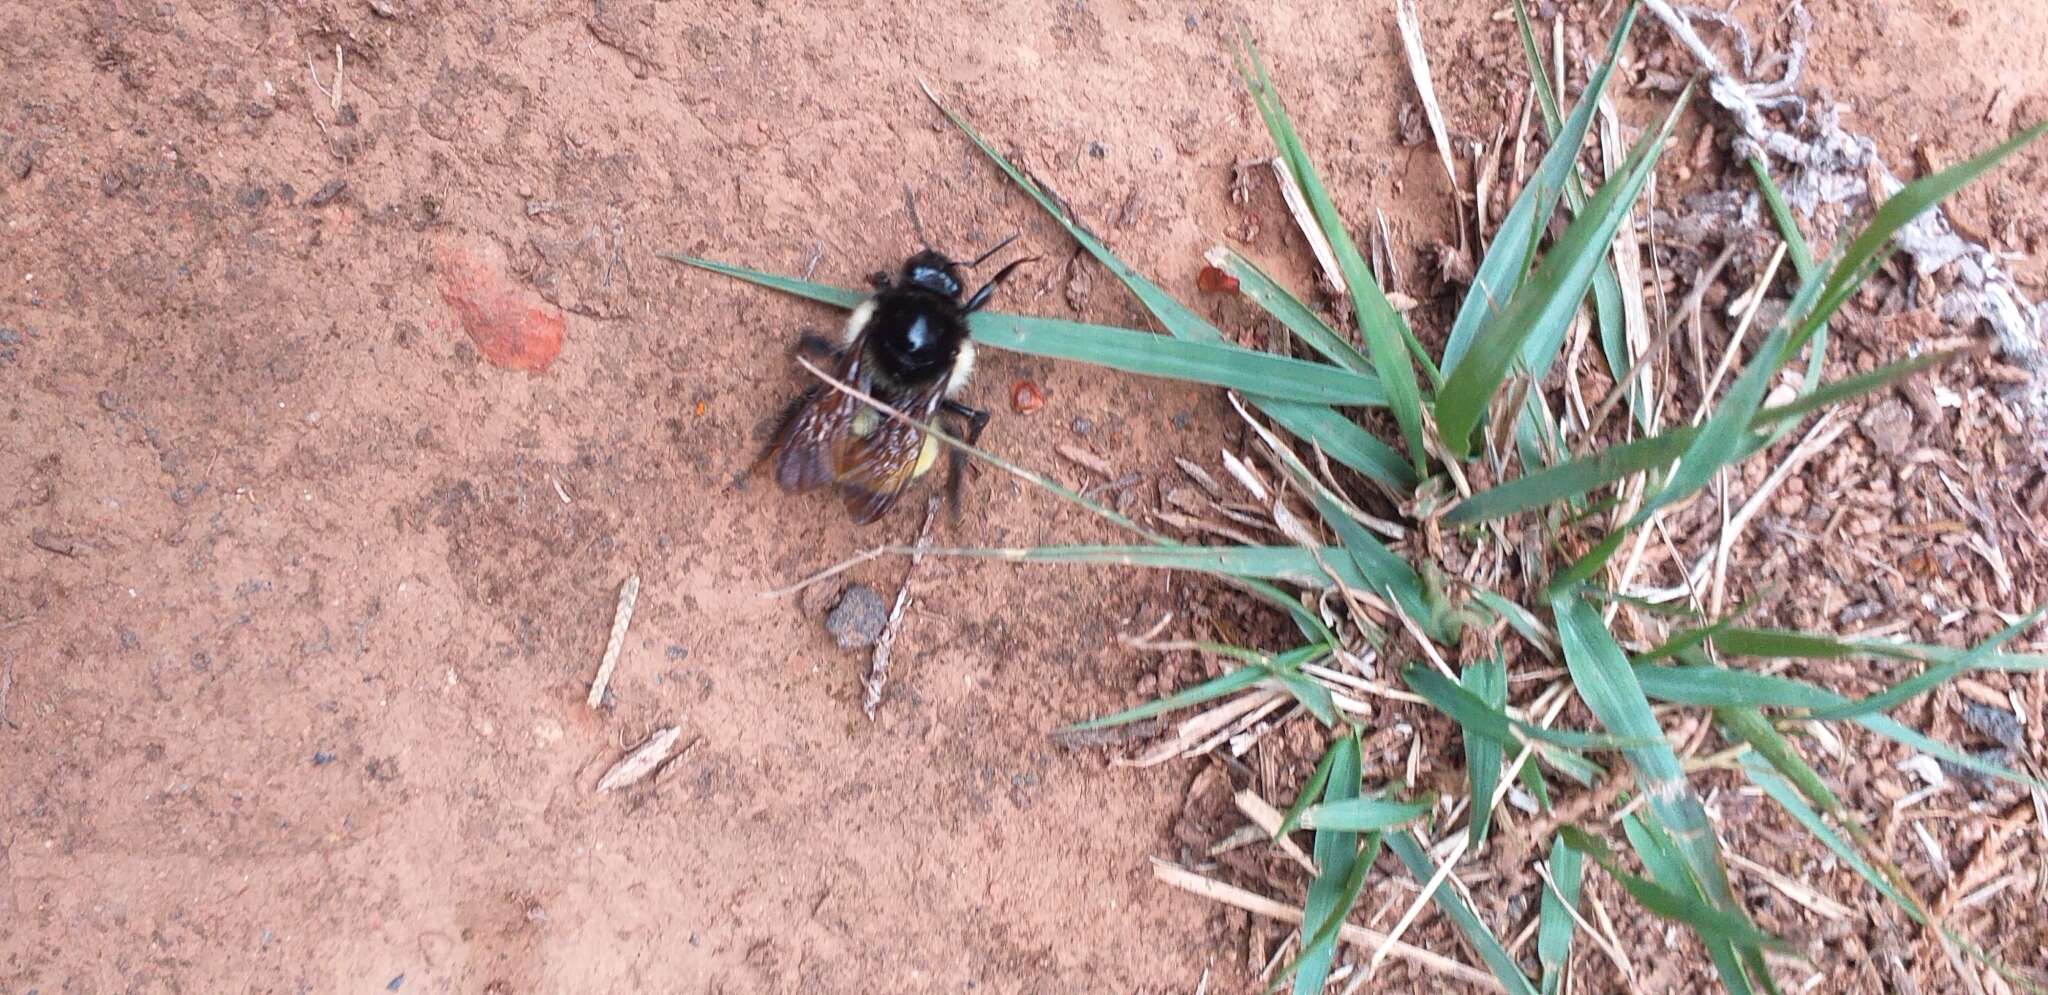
(300, 596)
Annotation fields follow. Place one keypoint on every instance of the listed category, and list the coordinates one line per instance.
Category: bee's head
(932, 271)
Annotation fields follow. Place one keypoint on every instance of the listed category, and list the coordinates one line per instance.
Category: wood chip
(1093, 463)
(628, 595)
(644, 760)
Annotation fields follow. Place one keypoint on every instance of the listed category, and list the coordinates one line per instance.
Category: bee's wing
(810, 433)
(873, 469)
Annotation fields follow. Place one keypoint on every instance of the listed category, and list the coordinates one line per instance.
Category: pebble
(1996, 723)
(327, 192)
(859, 617)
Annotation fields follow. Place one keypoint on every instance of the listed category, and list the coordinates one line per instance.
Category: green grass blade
(1214, 362)
(1306, 797)
(1257, 374)
(1518, 618)
(1312, 695)
(1288, 310)
(1179, 321)
(1667, 897)
(1479, 717)
(1931, 678)
(1343, 440)
(1572, 479)
(1725, 436)
(1898, 210)
(1802, 264)
(1576, 478)
(1486, 680)
(1491, 953)
(1717, 687)
(1307, 621)
(1336, 854)
(1388, 341)
(1383, 573)
(1782, 644)
(839, 297)
(1750, 726)
(1605, 681)
(1216, 687)
(1661, 858)
(1290, 564)
(1828, 395)
(1554, 921)
(1540, 313)
(1365, 815)
(1781, 791)
(1319, 940)
(1500, 273)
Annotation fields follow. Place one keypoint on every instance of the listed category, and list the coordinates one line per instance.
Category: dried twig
(878, 668)
(623, 616)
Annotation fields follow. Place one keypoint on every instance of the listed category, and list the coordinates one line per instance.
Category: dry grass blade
(644, 760)
(1257, 904)
(1418, 69)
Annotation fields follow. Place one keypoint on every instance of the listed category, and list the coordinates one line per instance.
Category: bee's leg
(956, 460)
(879, 279)
(777, 440)
(816, 346)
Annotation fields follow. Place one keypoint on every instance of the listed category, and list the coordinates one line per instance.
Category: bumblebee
(906, 347)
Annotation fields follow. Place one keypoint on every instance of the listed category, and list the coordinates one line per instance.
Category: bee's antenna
(998, 247)
(916, 224)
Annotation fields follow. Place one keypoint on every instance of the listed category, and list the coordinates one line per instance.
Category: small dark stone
(346, 116)
(1999, 756)
(322, 758)
(25, 159)
(327, 192)
(202, 661)
(1097, 149)
(129, 640)
(678, 652)
(1180, 421)
(1083, 426)
(112, 183)
(1997, 723)
(395, 982)
(286, 194)
(859, 617)
(253, 197)
(9, 336)
(108, 401)
(181, 496)
(258, 110)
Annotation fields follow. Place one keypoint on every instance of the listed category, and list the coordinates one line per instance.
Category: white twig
(878, 668)
(623, 616)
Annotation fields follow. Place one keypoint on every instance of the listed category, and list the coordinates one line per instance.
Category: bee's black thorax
(914, 334)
